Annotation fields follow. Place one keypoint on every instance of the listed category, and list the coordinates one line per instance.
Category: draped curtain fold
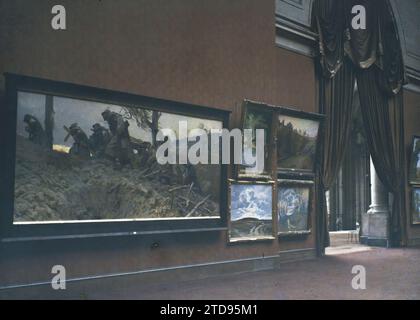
(373, 56)
(383, 122)
(363, 45)
(330, 21)
(337, 91)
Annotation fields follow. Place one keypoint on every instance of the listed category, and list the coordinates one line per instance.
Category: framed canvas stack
(275, 199)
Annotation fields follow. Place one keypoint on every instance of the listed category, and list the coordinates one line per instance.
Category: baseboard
(77, 287)
(374, 242)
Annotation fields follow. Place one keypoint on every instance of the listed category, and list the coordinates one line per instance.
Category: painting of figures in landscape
(293, 208)
(296, 143)
(416, 206)
(251, 211)
(85, 160)
(414, 174)
(257, 117)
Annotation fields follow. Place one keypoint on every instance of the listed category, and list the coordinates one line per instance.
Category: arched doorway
(371, 58)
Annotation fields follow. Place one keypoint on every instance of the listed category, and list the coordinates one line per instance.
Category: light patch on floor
(347, 249)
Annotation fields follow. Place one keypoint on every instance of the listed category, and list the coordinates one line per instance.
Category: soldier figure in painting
(99, 140)
(119, 147)
(35, 130)
(81, 142)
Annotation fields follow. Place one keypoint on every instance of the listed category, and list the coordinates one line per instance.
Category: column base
(374, 242)
(375, 223)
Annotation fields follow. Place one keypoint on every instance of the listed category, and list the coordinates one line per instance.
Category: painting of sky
(86, 113)
(251, 201)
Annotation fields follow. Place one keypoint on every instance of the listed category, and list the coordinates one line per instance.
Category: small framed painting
(294, 206)
(414, 170)
(297, 140)
(415, 206)
(256, 157)
(251, 212)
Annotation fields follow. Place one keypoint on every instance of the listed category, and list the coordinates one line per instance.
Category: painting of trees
(145, 119)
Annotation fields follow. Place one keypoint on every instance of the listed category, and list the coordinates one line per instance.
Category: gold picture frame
(294, 207)
(251, 211)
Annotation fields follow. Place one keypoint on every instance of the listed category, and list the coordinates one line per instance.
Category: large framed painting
(256, 116)
(79, 157)
(294, 199)
(297, 140)
(415, 206)
(414, 170)
(251, 211)
(77, 171)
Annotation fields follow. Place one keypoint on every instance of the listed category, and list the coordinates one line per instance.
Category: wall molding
(295, 38)
(405, 15)
(293, 27)
(412, 87)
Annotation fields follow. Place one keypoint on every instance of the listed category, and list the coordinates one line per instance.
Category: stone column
(375, 224)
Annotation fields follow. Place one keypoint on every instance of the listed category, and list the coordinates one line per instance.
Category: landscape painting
(293, 207)
(415, 205)
(296, 143)
(414, 172)
(251, 211)
(257, 116)
(85, 160)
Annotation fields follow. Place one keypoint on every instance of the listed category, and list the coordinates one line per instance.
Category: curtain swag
(377, 44)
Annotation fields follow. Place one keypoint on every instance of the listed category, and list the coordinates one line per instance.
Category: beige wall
(214, 53)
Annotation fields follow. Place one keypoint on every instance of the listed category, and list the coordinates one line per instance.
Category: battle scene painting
(84, 160)
(293, 205)
(251, 211)
(296, 143)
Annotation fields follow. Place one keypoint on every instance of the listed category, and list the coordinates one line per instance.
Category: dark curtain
(337, 91)
(362, 45)
(380, 79)
(330, 23)
(383, 121)
(376, 61)
(390, 60)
